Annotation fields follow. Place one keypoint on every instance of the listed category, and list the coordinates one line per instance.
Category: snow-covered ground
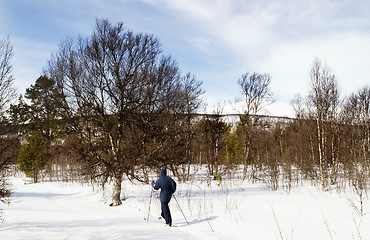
(232, 210)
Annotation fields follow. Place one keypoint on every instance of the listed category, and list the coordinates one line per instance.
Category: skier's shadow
(197, 221)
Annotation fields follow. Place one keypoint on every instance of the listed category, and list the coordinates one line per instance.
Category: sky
(216, 40)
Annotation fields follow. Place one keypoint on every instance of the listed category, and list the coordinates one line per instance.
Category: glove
(153, 183)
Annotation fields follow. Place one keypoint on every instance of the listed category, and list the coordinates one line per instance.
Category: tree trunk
(117, 183)
(321, 147)
(246, 156)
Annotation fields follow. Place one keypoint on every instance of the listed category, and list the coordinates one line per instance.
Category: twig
(208, 219)
(277, 223)
(327, 225)
(357, 227)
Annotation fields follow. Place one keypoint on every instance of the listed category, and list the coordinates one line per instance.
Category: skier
(168, 187)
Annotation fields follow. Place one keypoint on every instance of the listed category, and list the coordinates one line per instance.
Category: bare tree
(126, 102)
(357, 116)
(191, 97)
(324, 98)
(362, 110)
(212, 136)
(7, 92)
(255, 88)
(8, 143)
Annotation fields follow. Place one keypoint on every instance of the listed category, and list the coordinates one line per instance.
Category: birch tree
(126, 103)
(7, 91)
(9, 144)
(7, 95)
(255, 88)
(324, 98)
(357, 114)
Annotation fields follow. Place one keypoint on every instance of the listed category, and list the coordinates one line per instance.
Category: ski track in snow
(234, 210)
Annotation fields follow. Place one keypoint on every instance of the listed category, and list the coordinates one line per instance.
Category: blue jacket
(167, 186)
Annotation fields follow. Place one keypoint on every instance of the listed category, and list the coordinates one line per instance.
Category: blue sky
(216, 40)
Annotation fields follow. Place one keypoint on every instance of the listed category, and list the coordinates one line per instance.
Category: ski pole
(180, 209)
(150, 203)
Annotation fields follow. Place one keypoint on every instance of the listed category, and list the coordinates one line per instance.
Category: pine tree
(32, 157)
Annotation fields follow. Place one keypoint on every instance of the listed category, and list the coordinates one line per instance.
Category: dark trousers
(166, 214)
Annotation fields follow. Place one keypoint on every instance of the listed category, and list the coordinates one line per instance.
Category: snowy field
(230, 210)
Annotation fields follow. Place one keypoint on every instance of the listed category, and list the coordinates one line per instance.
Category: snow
(231, 209)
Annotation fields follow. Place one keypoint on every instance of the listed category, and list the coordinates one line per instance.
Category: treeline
(113, 106)
(328, 141)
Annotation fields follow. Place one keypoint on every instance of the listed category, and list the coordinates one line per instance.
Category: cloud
(282, 38)
(289, 63)
(240, 25)
(220, 21)
(220, 40)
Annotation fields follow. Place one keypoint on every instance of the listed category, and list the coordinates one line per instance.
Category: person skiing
(168, 187)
